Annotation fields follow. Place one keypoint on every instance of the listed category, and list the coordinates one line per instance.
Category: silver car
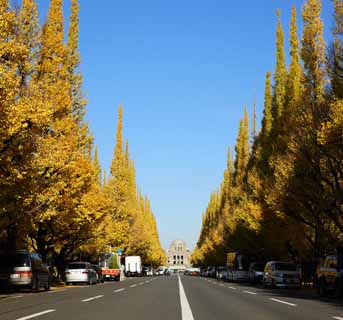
(22, 269)
(80, 272)
(281, 274)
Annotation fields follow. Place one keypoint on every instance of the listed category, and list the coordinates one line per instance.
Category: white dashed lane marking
(119, 290)
(36, 314)
(284, 302)
(249, 292)
(134, 285)
(89, 299)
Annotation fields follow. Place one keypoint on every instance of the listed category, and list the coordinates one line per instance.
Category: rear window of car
(285, 267)
(14, 260)
(77, 266)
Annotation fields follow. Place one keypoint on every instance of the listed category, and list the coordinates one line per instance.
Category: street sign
(119, 251)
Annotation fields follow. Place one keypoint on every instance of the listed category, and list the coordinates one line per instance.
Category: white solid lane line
(36, 314)
(284, 302)
(119, 290)
(186, 311)
(134, 285)
(89, 299)
(249, 292)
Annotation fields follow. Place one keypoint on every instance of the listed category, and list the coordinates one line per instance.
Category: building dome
(178, 256)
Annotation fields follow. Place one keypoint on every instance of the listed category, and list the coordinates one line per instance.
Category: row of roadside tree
(282, 192)
(54, 198)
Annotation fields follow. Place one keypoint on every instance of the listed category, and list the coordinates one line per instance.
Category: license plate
(15, 276)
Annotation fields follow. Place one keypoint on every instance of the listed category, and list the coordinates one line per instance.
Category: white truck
(133, 266)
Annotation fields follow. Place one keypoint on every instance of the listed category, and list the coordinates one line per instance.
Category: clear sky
(183, 71)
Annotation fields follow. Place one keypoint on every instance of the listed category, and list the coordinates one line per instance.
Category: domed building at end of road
(178, 256)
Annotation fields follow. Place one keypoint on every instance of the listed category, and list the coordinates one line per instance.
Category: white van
(281, 274)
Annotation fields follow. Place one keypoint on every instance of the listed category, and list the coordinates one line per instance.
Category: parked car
(211, 272)
(256, 271)
(24, 270)
(222, 273)
(281, 274)
(80, 272)
(330, 276)
(98, 272)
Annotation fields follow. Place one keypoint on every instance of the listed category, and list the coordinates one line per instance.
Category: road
(168, 298)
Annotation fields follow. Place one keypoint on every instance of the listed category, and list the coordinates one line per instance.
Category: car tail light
(25, 274)
(85, 272)
(67, 272)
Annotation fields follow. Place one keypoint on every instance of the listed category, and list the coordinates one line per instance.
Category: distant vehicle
(80, 272)
(161, 271)
(98, 272)
(133, 266)
(330, 276)
(222, 273)
(211, 272)
(281, 274)
(194, 272)
(147, 271)
(237, 266)
(109, 266)
(256, 272)
(24, 270)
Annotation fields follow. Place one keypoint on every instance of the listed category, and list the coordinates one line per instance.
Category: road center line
(119, 290)
(36, 314)
(233, 288)
(134, 285)
(249, 292)
(186, 311)
(89, 299)
(284, 302)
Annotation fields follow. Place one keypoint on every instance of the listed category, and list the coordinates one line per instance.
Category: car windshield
(76, 266)
(14, 260)
(285, 267)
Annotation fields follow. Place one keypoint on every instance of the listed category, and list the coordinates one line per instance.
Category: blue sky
(183, 71)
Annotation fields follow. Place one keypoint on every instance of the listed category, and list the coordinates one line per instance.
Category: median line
(89, 299)
(186, 311)
(249, 292)
(36, 314)
(119, 290)
(284, 302)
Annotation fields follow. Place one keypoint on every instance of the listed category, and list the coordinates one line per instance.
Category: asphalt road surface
(168, 298)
